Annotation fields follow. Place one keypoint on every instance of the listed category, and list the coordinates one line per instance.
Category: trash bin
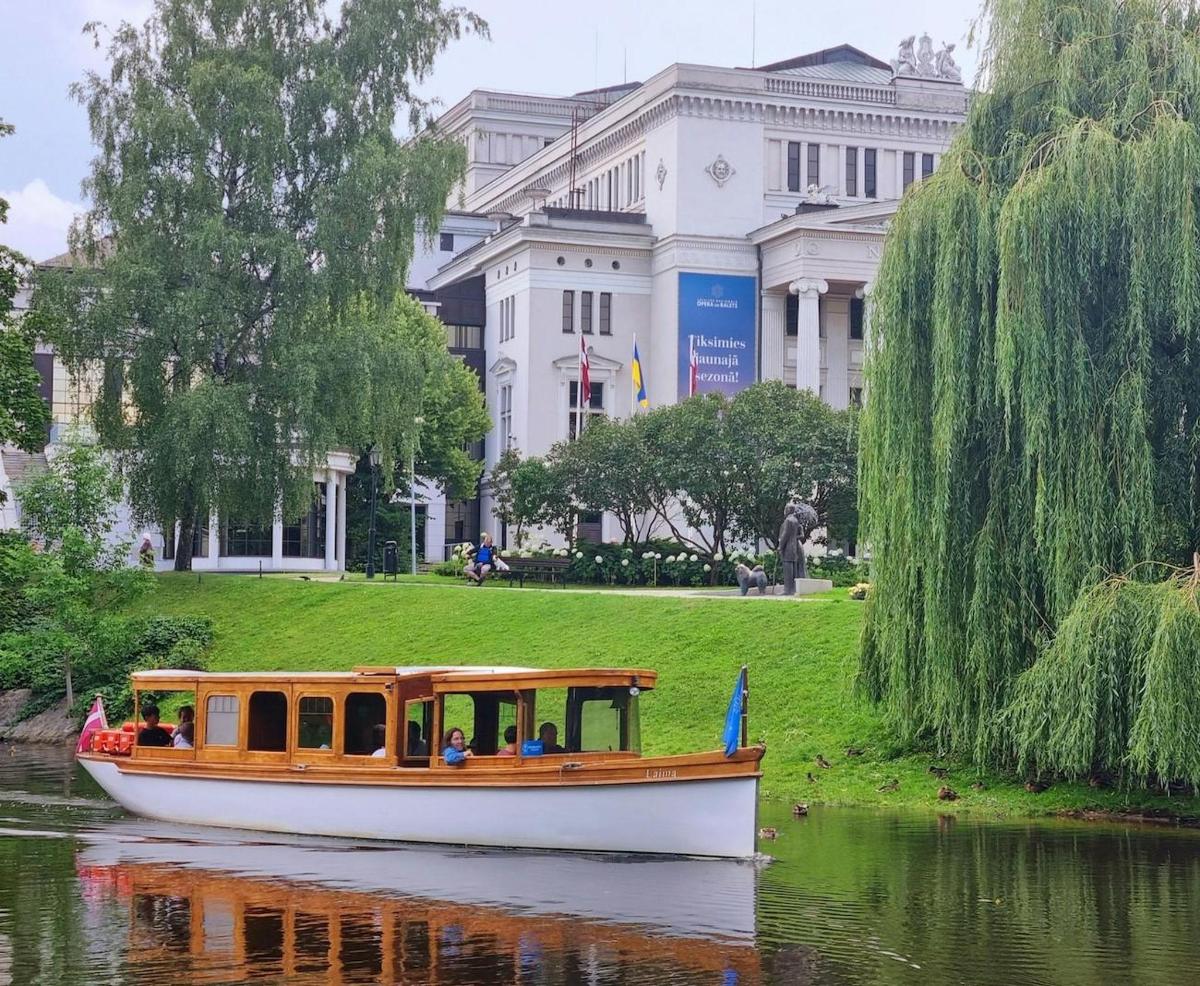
(391, 561)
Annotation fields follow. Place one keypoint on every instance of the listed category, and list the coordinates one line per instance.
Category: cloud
(38, 220)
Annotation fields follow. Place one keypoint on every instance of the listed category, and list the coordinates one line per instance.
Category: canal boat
(356, 754)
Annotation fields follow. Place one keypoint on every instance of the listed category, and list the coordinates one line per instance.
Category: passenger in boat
(380, 736)
(454, 749)
(510, 743)
(416, 746)
(482, 560)
(183, 737)
(548, 734)
(152, 734)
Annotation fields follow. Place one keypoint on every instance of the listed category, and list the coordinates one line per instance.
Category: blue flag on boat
(733, 717)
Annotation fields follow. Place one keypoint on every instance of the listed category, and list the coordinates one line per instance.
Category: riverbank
(802, 656)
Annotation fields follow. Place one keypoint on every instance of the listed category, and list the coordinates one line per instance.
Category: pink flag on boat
(95, 721)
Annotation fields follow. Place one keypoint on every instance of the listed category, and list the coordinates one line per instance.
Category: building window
(595, 406)
(909, 166)
(446, 242)
(585, 312)
(856, 396)
(793, 166)
(315, 730)
(926, 165)
(814, 164)
(464, 336)
(869, 172)
(306, 537)
(240, 540)
(267, 727)
(221, 721)
(792, 319)
(605, 313)
(852, 171)
(506, 402)
(856, 318)
(568, 311)
(366, 720)
(508, 318)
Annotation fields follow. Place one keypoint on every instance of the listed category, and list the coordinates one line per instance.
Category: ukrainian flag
(639, 381)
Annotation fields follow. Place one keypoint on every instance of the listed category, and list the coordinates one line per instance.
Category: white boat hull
(691, 818)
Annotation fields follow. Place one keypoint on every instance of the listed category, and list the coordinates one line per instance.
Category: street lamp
(375, 458)
(412, 490)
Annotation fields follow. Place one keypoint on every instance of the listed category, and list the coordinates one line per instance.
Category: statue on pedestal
(799, 519)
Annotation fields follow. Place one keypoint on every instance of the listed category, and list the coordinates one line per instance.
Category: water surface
(91, 895)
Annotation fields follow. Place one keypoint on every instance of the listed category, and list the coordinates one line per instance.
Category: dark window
(869, 172)
(315, 730)
(464, 336)
(856, 318)
(200, 538)
(364, 711)
(814, 164)
(595, 405)
(268, 722)
(568, 311)
(168, 550)
(585, 312)
(793, 315)
(793, 175)
(926, 165)
(306, 537)
(851, 170)
(856, 396)
(909, 165)
(240, 540)
(605, 313)
(446, 242)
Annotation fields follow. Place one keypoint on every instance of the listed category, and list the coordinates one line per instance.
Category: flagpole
(633, 397)
(745, 703)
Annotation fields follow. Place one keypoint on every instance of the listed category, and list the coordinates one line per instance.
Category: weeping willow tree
(1034, 393)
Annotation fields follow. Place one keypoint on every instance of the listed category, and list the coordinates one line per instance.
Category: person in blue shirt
(481, 560)
(454, 749)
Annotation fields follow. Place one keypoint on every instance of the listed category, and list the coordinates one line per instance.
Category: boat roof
(448, 676)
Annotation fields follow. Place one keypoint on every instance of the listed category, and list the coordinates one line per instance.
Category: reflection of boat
(678, 897)
(349, 755)
(184, 899)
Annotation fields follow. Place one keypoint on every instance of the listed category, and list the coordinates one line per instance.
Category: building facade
(737, 214)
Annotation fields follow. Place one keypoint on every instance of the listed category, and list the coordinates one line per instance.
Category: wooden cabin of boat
(388, 721)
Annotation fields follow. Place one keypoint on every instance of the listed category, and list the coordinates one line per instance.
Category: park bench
(520, 569)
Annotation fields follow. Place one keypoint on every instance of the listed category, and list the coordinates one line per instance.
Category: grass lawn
(802, 658)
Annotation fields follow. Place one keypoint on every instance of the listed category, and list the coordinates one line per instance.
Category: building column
(808, 291)
(331, 498)
(343, 486)
(214, 539)
(277, 542)
(774, 335)
(899, 175)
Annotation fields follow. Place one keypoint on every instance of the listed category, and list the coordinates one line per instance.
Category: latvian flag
(693, 369)
(96, 720)
(585, 377)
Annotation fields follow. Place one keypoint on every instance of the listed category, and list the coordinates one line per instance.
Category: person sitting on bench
(481, 560)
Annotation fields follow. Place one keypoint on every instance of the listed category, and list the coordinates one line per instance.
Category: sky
(536, 46)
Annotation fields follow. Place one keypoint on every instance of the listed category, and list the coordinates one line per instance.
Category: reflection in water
(211, 927)
(89, 896)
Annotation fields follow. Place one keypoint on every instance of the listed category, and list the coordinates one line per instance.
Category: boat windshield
(603, 720)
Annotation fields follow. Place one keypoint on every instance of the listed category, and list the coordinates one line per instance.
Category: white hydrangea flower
(718, 556)
(578, 554)
(658, 556)
(599, 559)
(693, 558)
(708, 568)
(624, 562)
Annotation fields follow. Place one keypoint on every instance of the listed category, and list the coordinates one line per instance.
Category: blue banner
(733, 716)
(717, 318)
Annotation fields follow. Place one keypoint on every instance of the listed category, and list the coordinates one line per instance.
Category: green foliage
(254, 216)
(24, 416)
(610, 465)
(1032, 424)
(1117, 687)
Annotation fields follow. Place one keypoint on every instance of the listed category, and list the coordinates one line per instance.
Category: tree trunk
(70, 683)
(183, 548)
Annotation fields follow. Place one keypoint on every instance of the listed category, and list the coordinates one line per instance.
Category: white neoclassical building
(736, 212)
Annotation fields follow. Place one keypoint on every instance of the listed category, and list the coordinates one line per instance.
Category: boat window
(549, 709)
(221, 720)
(175, 726)
(365, 711)
(268, 722)
(316, 723)
(603, 720)
(419, 718)
(458, 712)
